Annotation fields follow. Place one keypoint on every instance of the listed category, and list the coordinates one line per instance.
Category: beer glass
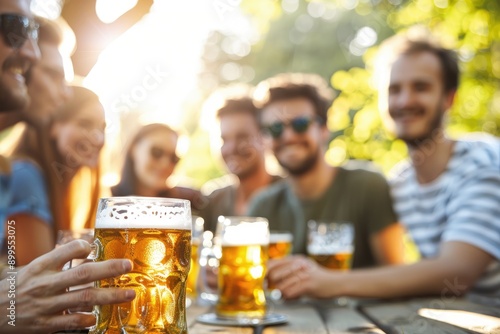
(280, 246)
(242, 268)
(196, 240)
(155, 234)
(331, 244)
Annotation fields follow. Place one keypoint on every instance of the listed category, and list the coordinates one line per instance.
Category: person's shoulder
(26, 171)
(273, 191)
(480, 149)
(219, 184)
(362, 172)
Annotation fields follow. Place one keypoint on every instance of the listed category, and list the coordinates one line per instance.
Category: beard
(432, 125)
(304, 167)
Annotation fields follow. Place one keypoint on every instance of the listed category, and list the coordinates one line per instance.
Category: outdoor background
(189, 48)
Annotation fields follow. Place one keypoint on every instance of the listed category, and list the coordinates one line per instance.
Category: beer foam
(280, 237)
(246, 233)
(143, 212)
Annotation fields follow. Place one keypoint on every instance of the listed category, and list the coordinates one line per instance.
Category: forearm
(427, 277)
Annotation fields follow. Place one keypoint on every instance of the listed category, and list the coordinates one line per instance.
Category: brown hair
(288, 86)
(417, 41)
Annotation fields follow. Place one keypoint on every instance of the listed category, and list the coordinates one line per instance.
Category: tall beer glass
(196, 240)
(331, 244)
(244, 244)
(155, 234)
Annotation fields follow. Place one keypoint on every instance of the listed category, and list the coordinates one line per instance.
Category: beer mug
(331, 244)
(242, 269)
(155, 234)
(196, 240)
(280, 246)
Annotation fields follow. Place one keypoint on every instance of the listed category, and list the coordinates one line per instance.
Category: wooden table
(356, 316)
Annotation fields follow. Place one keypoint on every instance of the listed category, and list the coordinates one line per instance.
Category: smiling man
(293, 114)
(242, 149)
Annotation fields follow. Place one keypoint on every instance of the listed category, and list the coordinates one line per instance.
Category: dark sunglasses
(158, 153)
(17, 29)
(299, 125)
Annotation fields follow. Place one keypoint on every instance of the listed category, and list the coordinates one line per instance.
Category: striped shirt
(462, 204)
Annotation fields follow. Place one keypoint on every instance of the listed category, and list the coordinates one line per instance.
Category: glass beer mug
(155, 234)
(242, 269)
(331, 244)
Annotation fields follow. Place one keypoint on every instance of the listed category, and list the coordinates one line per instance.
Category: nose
(406, 98)
(30, 51)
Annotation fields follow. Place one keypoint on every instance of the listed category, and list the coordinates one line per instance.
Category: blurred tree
(470, 27)
(338, 39)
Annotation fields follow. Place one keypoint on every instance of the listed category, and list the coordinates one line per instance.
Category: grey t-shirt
(355, 195)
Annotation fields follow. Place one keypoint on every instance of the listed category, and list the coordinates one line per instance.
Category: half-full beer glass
(155, 234)
(242, 268)
(331, 244)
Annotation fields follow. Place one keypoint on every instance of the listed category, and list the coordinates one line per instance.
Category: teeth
(17, 70)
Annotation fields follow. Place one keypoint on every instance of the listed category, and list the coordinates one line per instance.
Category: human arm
(41, 291)
(29, 213)
(453, 271)
(387, 245)
(34, 237)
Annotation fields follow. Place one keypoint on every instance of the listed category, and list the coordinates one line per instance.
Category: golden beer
(194, 271)
(280, 245)
(340, 261)
(241, 281)
(155, 234)
(242, 267)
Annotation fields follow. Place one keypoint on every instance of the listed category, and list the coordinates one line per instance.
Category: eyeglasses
(17, 29)
(299, 125)
(158, 153)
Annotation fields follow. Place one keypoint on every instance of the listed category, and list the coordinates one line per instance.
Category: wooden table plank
(343, 317)
(302, 319)
(402, 316)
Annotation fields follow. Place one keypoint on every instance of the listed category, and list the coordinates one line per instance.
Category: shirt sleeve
(474, 211)
(29, 192)
(379, 211)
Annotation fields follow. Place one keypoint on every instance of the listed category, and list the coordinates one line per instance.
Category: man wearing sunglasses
(32, 298)
(242, 149)
(293, 114)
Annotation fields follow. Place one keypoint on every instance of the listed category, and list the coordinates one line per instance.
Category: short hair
(235, 98)
(288, 86)
(415, 41)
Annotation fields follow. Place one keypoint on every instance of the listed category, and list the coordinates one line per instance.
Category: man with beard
(447, 196)
(242, 149)
(33, 297)
(294, 114)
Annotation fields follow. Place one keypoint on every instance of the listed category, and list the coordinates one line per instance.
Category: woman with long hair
(53, 171)
(150, 160)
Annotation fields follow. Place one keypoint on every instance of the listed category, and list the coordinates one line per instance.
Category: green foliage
(470, 27)
(317, 36)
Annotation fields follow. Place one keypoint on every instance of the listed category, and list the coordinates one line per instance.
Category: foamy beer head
(331, 244)
(244, 244)
(155, 234)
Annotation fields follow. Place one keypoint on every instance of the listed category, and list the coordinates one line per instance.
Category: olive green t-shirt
(355, 195)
